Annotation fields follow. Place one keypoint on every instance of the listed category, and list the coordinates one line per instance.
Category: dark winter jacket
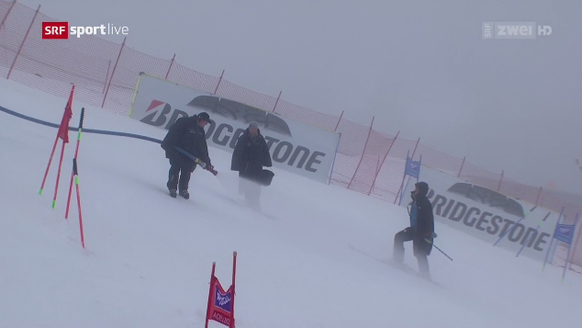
(250, 155)
(423, 226)
(185, 133)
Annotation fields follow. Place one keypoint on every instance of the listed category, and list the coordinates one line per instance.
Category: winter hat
(204, 116)
(422, 188)
(254, 124)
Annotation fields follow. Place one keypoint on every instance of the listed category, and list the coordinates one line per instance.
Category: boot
(185, 194)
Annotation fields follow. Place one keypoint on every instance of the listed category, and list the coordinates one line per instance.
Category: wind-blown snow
(148, 256)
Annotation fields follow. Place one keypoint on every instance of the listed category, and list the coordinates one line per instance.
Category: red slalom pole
(76, 175)
(48, 166)
(210, 294)
(69, 197)
(59, 175)
(75, 157)
(63, 133)
(232, 325)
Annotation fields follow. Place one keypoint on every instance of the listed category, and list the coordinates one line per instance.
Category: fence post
(382, 164)
(461, 169)
(218, 84)
(500, 179)
(403, 177)
(276, 102)
(22, 44)
(170, 68)
(338, 121)
(7, 13)
(377, 165)
(414, 151)
(363, 153)
(106, 77)
(538, 196)
(575, 246)
(113, 72)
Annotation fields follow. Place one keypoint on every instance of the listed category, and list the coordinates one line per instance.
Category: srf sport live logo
(62, 30)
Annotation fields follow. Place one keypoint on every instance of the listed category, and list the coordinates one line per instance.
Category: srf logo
(55, 30)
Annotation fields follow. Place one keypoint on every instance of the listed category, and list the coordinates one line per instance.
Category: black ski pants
(181, 169)
(421, 255)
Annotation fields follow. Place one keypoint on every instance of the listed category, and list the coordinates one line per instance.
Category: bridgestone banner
(295, 147)
(487, 214)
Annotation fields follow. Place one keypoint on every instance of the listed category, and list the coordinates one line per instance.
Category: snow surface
(148, 256)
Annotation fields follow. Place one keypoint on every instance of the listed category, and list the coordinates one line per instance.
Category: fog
(421, 68)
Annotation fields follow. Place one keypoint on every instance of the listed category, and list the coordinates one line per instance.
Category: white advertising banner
(295, 147)
(487, 214)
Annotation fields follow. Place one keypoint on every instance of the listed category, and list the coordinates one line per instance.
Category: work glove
(429, 237)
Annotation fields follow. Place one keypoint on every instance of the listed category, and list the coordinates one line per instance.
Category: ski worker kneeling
(421, 230)
(188, 134)
(250, 154)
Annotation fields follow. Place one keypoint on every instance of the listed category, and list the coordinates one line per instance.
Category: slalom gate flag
(220, 307)
(67, 115)
(412, 168)
(565, 233)
(63, 133)
(220, 303)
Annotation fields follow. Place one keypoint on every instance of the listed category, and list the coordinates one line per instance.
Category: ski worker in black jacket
(188, 134)
(421, 230)
(250, 154)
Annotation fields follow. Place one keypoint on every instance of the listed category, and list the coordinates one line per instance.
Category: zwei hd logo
(514, 30)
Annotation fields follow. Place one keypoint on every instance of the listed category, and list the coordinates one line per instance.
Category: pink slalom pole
(48, 166)
(76, 175)
(63, 134)
(74, 159)
(69, 196)
(209, 294)
(80, 212)
(234, 254)
(59, 175)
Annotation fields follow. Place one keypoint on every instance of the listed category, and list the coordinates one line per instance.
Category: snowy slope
(148, 256)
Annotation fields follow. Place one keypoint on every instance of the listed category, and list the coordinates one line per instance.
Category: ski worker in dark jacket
(421, 230)
(188, 134)
(250, 154)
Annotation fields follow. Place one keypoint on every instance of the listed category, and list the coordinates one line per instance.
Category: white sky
(421, 68)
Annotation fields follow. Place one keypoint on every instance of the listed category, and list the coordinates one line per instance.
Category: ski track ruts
(405, 268)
